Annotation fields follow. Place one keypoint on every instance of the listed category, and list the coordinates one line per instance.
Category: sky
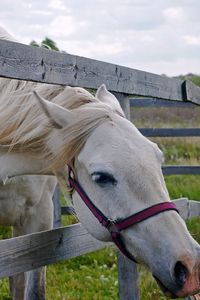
(158, 36)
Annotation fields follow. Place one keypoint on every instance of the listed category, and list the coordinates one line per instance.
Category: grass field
(94, 276)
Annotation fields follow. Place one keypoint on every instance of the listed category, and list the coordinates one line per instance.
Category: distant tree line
(46, 43)
(192, 77)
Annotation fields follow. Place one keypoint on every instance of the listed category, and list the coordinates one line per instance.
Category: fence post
(57, 208)
(124, 102)
(128, 279)
(127, 270)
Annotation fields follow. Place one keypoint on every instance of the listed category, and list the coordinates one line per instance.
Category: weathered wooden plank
(194, 209)
(183, 205)
(57, 208)
(181, 170)
(128, 278)
(191, 92)
(188, 208)
(37, 64)
(36, 290)
(154, 102)
(125, 103)
(31, 251)
(170, 132)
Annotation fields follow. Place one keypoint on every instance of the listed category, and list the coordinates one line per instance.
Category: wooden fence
(36, 64)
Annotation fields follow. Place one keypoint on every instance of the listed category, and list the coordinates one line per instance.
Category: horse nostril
(180, 274)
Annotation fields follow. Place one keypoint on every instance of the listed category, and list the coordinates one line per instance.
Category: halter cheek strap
(116, 226)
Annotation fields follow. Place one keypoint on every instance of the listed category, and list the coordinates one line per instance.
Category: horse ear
(105, 96)
(58, 116)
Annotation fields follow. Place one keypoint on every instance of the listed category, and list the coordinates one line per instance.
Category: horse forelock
(25, 128)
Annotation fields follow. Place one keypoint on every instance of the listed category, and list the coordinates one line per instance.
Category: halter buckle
(111, 226)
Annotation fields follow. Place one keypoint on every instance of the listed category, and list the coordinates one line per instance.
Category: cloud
(192, 40)
(159, 36)
(57, 5)
(175, 15)
(62, 27)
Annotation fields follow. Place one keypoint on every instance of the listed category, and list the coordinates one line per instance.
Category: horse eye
(103, 178)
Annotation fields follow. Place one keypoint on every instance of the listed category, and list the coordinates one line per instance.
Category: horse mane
(4, 35)
(25, 128)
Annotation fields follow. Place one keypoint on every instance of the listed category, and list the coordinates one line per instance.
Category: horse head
(120, 170)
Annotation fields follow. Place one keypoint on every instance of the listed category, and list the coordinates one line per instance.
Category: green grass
(180, 150)
(165, 117)
(92, 276)
(184, 186)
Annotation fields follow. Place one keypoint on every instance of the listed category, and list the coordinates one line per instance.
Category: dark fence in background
(169, 132)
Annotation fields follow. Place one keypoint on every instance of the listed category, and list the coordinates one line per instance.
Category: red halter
(115, 226)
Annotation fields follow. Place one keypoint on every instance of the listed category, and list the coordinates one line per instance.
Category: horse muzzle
(189, 280)
(184, 280)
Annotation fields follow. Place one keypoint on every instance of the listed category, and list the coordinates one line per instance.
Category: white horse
(118, 168)
(26, 205)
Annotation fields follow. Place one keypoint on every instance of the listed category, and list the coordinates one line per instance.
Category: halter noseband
(116, 226)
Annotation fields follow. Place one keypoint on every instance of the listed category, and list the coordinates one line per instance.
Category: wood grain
(128, 278)
(38, 64)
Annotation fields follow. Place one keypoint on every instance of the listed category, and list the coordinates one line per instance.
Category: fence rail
(34, 250)
(181, 170)
(170, 132)
(36, 64)
(155, 102)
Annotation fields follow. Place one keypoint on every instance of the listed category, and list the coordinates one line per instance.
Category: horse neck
(16, 164)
